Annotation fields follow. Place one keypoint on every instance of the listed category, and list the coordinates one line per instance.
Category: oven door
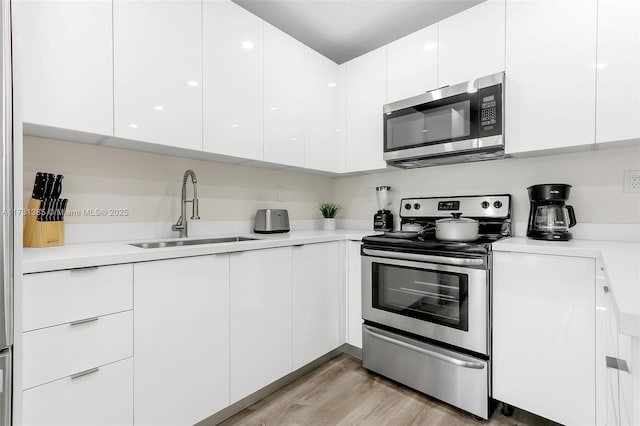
(447, 303)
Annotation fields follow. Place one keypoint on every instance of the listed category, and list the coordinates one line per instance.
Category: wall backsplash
(596, 177)
(149, 185)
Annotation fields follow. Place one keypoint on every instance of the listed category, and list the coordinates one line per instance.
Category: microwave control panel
(490, 111)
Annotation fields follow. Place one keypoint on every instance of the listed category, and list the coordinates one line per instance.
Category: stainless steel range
(426, 302)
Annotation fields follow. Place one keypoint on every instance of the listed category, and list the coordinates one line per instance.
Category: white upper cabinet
(67, 64)
(283, 98)
(412, 64)
(158, 71)
(320, 112)
(618, 69)
(232, 80)
(550, 74)
(365, 96)
(472, 43)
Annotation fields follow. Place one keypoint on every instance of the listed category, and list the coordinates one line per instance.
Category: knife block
(41, 234)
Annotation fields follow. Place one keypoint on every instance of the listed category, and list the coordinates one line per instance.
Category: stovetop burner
(493, 213)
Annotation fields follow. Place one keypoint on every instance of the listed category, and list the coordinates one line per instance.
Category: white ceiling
(344, 29)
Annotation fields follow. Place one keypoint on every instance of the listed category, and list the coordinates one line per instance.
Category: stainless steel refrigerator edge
(6, 186)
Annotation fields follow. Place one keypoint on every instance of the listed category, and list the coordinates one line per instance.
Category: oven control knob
(497, 204)
(485, 204)
(407, 206)
(416, 206)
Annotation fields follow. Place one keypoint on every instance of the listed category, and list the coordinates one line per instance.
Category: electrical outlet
(282, 194)
(631, 182)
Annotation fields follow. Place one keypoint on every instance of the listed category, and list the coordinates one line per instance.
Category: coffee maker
(383, 219)
(549, 217)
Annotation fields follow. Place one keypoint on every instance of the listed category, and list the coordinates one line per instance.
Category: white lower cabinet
(103, 396)
(181, 339)
(544, 335)
(80, 346)
(318, 276)
(354, 294)
(260, 313)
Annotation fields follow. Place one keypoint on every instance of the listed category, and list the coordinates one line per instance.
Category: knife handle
(64, 207)
(38, 186)
(57, 186)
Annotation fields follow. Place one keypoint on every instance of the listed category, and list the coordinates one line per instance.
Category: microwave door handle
(451, 360)
(424, 258)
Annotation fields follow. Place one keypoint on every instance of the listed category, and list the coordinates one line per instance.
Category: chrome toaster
(271, 221)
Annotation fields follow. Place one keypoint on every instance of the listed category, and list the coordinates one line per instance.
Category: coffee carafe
(383, 219)
(549, 217)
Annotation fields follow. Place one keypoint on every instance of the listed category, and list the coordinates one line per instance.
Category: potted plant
(329, 212)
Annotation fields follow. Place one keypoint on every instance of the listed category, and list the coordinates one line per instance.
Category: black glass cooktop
(428, 243)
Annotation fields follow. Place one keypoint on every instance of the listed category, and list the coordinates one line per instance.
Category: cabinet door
(472, 43)
(104, 396)
(233, 83)
(544, 335)
(283, 98)
(365, 97)
(67, 63)
(157, 49)
(550, 75)
(618, 69)
(260, 319)
(320, 107)
(181, 339)
(354, 295)
(412, 64)
(317, 293)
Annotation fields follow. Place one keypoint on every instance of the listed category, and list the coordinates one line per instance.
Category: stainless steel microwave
(453, 124)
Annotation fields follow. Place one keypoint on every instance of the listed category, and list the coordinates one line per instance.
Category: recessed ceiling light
(273, 108)
(158, 108)
(134, 126)
(192, 83)
(234, 125)
(332, 85)
(247, 45)
(294, 139)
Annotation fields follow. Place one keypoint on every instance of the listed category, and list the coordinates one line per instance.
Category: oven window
(435, 296)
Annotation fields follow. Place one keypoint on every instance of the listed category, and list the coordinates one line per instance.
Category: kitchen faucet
(181, 224)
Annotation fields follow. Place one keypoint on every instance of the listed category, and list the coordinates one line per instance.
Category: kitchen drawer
(55, 352)
(52, 298)
(103, 397)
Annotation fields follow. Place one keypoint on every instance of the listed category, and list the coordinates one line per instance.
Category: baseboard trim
(354, 351)
(248, 401)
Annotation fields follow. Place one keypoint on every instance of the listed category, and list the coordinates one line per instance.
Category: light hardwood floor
(341, 392)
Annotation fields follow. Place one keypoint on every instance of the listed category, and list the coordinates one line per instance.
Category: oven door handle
(459, 261)
(451, 360)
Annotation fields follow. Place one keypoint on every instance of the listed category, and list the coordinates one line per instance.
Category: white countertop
(621, 262)
(111, 253)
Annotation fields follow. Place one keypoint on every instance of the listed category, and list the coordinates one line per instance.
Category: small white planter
(329, 224)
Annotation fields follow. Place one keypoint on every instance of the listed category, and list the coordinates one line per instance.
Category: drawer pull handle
(84, 321)
(85, 269)
(617, 364)
(85, 373)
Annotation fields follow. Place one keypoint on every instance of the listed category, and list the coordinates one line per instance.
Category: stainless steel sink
(179, 243)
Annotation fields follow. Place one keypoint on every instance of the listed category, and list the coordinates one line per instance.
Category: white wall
(149, 185)
(596, 177)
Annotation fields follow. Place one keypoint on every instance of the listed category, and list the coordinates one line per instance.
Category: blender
(383, 219)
